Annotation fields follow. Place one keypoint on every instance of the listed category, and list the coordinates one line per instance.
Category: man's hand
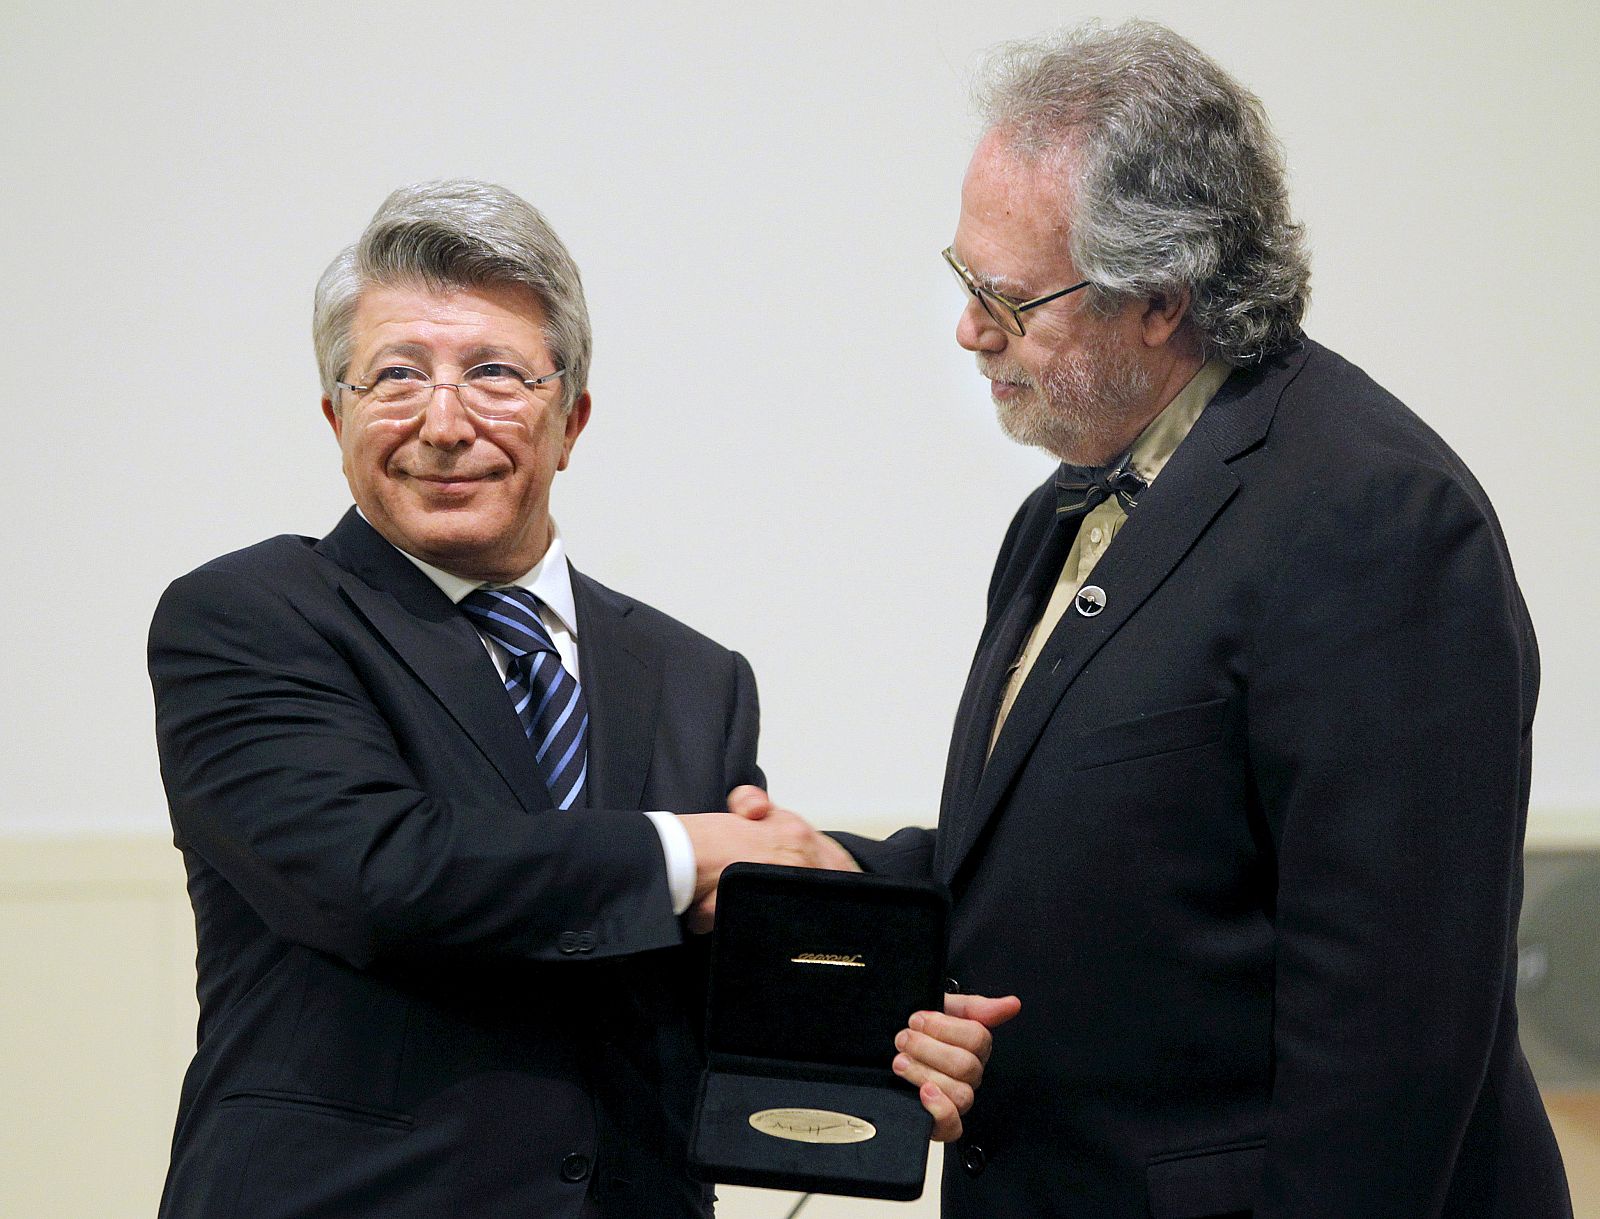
(776, 836)
(944, 1053)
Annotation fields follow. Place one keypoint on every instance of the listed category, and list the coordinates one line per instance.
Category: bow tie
(1080, 488)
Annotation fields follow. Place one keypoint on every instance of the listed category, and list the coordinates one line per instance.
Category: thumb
(991, 1013)
(750, 802)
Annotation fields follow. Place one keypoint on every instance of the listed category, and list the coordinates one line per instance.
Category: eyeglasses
(496, 390)
(1007, 313)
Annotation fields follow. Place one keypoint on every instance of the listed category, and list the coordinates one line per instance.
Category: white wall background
(788, 450)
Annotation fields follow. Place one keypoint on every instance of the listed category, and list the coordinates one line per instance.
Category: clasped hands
(942, 1053)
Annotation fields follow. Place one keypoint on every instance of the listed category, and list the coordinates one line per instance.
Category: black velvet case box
(812, 975)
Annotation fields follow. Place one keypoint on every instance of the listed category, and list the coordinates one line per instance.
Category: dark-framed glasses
(1006, 312)
(494, 390)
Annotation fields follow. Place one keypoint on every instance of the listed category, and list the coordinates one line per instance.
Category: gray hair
(456, 234)
(1180, 182)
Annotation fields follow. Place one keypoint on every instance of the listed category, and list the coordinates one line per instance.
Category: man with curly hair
(1236, 794)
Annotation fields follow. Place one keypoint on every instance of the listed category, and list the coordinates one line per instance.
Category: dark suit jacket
(423, 992)
(1249, 843)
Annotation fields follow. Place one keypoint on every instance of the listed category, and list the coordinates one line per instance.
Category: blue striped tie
(548, 699)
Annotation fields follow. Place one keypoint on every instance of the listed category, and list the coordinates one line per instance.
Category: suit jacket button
(568, 942)
(952, 987)
(973, 1159)
(585, 941)
(574, 1167)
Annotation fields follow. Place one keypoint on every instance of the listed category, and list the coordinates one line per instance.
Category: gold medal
(813, 1126)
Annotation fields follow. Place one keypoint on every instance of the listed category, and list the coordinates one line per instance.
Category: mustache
(1002, 370)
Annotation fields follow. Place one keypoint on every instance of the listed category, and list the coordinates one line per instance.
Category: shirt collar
(1162, 436)
(550, 580)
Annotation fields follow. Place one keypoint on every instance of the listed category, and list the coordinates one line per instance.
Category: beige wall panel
(97, 1024)
(1576, 1118)
(98, 1020)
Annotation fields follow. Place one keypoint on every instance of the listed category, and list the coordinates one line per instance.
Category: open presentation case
(812, 975)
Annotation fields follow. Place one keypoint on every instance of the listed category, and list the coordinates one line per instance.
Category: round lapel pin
(1091, 599)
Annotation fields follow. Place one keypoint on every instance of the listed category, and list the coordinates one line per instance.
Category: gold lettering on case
(829, 958)
(813, 1126)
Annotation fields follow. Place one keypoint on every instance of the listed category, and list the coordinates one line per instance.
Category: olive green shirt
(1099, 528)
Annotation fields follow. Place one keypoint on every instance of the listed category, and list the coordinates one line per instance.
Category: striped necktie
(548, 699)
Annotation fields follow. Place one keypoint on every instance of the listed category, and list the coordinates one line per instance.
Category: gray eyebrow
(410, 351)
(482, 354)
(1004, 285)
(489, 352)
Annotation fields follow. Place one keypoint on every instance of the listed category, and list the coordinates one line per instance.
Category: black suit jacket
(1249, 843)
(423, 991)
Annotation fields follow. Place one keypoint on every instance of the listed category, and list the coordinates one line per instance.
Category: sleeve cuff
(679, 854)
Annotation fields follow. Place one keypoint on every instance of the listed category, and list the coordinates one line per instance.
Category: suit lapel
(1001, 643)
(621, 675)
(1192, 491)
(437, 643)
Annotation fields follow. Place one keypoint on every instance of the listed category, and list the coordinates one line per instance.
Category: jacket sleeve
(1390, 710)
(743, 730)
(283, 775)
(907, 853)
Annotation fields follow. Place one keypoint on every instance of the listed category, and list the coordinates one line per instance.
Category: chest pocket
(1149, 735)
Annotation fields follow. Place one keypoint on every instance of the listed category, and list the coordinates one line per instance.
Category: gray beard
(1078, 410)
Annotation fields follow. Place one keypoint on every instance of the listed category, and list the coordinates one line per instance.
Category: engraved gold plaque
(813, 1126)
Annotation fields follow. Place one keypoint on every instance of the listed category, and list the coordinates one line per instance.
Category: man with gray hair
(442, 960)
(1236, 793)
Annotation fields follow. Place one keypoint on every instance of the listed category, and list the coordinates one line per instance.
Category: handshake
(943, 1053)
(753, 830)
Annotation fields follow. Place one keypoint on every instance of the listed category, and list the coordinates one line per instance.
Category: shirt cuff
(679, 853)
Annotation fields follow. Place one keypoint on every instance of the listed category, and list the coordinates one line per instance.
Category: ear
(577, 420)
(1162, 316)
(332, 416)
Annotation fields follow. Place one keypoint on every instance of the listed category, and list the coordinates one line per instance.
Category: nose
(977, 331)
(445, 423)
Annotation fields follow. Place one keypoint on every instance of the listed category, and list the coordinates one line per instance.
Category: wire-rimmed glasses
(1005, 312)
(493, 390)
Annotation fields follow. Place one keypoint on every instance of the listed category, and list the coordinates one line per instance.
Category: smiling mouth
(451, 478)
(448, 486)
